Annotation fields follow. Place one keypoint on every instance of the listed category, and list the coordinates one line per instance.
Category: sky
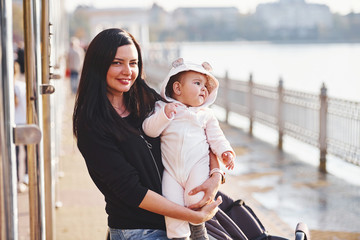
(245, 6)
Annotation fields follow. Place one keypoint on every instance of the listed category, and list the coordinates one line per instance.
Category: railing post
(34, 116)
(49, 176)
(251, 104)
(8, 181)
(323, 128)
(226, 96)
(280, 116)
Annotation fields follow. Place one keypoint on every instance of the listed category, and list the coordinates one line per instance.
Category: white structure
(134, 20)
(187, 16)
(294, 14)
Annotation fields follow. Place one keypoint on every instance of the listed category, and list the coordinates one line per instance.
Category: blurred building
(134, 20)
(205, 23)
(284, 20)
(189, 16)
(294, 18)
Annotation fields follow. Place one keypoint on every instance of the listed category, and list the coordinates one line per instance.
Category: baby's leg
(173, 191)
(198, 176)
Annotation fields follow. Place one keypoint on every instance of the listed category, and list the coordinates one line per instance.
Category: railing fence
(330, 124)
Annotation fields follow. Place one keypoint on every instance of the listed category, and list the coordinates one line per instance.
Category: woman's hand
(210, 188)
(207, 212)
(156, 203)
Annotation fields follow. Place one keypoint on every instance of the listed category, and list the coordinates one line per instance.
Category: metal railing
(42, 59)
(330, 124)
(8, 193)
(343, 138)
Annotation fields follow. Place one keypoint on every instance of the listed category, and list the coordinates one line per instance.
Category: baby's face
(193, 89)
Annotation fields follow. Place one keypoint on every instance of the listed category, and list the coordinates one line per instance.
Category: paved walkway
(82, 215)
(281, 190)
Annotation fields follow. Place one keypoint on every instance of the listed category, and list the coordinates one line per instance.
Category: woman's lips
(125, 81)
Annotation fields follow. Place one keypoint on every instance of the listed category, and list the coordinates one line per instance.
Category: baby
(188, 130)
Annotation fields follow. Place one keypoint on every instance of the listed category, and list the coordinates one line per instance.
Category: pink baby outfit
(185, 142)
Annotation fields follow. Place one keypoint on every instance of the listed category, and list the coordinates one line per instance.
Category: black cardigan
(124, 173)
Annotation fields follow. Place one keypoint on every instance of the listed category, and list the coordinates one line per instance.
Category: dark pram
(235, 220)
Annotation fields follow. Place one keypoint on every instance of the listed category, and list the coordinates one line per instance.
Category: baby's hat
(179, 65)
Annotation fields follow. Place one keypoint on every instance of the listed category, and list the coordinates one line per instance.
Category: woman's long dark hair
(93, 109)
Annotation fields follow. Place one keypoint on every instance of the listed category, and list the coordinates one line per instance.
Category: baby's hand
(170, 109)
(228, 160)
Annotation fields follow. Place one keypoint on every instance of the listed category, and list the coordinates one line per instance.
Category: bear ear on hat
(207, 66)
(177, 62)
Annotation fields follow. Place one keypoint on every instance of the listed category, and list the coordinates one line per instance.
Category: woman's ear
(177, 88)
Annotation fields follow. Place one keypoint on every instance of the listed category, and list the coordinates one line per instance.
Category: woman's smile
(124, 81)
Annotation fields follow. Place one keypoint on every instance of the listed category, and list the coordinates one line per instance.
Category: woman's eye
(115, 63)
(133, 63)
(197, 83)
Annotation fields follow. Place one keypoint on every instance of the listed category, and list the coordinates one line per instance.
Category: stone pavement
(280, 189)
(82, 215)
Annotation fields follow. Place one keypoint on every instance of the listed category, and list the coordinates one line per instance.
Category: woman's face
(123, 70)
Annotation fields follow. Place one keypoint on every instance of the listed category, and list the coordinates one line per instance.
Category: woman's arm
(210, 187)
(156, 203)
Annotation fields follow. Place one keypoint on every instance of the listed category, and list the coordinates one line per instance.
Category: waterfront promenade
(284, 190)
(280, 188)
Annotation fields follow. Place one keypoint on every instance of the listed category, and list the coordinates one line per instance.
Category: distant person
(112, 101)
(188, 130)
(75, 62)
(20, 119)
(21, 56)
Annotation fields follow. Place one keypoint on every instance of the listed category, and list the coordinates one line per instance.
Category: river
(303, 67)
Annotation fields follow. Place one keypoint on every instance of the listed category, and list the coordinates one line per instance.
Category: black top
(124, 172)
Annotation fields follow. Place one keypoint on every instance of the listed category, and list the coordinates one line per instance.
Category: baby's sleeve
(215, 136)
(155, 124)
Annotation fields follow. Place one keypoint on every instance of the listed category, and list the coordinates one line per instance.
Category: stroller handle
(302, 232)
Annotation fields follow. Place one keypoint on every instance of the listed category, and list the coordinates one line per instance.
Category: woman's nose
(126, 70)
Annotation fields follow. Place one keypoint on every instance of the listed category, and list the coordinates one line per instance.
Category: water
(303, 67)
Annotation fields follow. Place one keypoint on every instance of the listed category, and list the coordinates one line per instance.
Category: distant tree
(79, 24)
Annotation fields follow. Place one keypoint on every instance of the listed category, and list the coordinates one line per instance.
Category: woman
(112, 101)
